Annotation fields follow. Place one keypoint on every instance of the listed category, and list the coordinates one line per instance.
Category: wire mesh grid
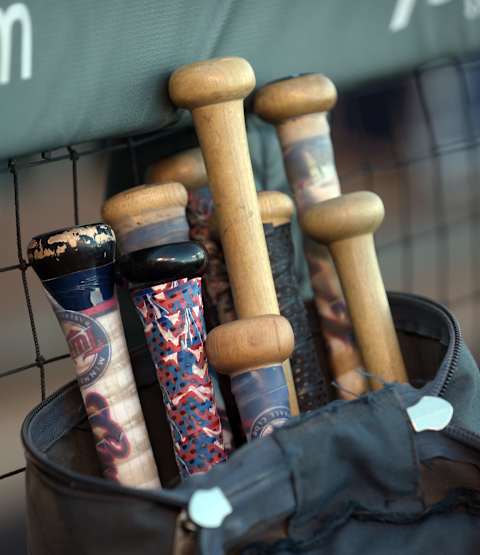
(365, 127)
(14, 168)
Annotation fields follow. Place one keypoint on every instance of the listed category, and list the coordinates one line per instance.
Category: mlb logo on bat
(88, 344)
(15, 23)
(269, 419)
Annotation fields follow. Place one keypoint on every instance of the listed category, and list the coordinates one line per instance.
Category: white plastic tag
(209, 507)
(430, 413)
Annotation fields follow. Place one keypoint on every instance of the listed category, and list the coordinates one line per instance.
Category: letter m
(16, 13)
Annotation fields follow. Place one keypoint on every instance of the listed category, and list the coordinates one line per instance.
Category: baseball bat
(76, 268)
(165, 287)
(346, 225)
(298, 108)
(276, 210)
(188, 168)
(214, 91)
(251, 351)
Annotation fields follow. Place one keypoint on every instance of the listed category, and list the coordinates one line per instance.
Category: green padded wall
(72, 71)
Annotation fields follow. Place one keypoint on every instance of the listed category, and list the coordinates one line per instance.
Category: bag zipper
(458, 433)
(439, 386)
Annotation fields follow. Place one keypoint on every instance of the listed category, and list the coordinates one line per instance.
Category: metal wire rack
(15, 167)
(413, 140)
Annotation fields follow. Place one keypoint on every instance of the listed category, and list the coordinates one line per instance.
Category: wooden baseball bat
(298, 108)
(214, 91)
(165, 287)
(251, 352)
(346, 225)
(187, 167)
(76, 268)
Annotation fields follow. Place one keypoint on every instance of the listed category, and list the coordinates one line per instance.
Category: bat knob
(344, 217)
(163, 264)
(143, 216)
(294, 97)
(187, 167)
(250, 343)
(64, 251)
(276, 208)
(140, 205)
(211, 82)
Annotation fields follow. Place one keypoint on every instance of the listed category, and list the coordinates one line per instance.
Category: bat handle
(165, 288)
(298, 108)
(147, 216)
(277, 209)
(251, 352)
(346, 224)
(186, 167)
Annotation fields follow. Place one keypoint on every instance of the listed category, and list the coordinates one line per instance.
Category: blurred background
(413, 138)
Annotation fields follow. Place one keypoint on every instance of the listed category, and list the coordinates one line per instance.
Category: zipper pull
(209, 507)
(430, 413)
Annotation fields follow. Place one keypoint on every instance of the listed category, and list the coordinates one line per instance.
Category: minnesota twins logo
(269, 419)
(88, 344)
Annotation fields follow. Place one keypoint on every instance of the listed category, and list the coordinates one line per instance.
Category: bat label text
(268, 420)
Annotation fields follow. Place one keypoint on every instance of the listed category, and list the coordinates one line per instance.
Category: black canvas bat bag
(352, 477)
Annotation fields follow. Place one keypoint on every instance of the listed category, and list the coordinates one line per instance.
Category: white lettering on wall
(471, 8)
(16, 13)
(403, 11)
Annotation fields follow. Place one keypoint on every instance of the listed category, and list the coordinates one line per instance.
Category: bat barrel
(214, 91)
(76, 268)
(346, 224)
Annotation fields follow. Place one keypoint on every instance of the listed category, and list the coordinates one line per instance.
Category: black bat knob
(162, 264)
(65, 251)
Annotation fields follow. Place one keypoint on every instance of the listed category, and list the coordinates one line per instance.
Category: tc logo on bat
(89, 345)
